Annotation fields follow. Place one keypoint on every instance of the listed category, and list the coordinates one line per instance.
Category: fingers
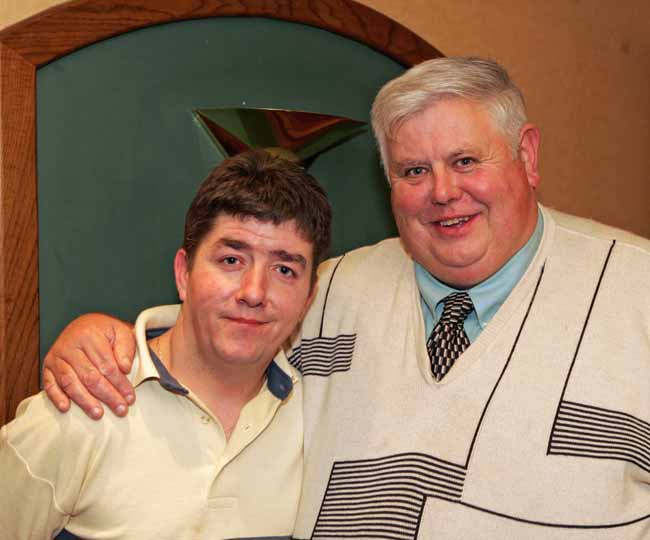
(82, 364)
(54, 392)
(104, 359)
(68, 385)
(124, 347)
(89, 383)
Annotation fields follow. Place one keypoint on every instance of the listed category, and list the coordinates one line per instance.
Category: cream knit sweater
(540, 431)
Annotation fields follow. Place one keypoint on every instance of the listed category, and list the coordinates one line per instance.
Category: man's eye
(465, 162)
(415, 171)
(230, 260)
(286, 271)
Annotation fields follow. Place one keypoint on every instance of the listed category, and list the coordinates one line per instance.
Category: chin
(458, 272)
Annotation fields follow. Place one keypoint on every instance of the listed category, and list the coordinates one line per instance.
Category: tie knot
(457, 307)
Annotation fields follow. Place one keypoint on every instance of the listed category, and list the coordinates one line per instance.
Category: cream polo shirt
(166, 471)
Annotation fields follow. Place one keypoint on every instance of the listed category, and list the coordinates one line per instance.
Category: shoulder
(384, 258)
(617, 259)
(44, 437)
(352, 282)
(585, 242)
(360, 273)
(48, 459)
(589, 229)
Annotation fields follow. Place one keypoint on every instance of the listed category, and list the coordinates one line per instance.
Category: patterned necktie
(448, 338)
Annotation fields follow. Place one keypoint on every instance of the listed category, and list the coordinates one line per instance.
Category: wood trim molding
(18, 233)
(67, 27)
(61, 30)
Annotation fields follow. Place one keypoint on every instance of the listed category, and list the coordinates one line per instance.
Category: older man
(485, 375)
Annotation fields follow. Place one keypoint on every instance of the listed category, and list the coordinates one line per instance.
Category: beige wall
(584, 66)
(13, 11)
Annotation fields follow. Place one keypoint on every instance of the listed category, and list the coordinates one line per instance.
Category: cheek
(505, 203)
(484, 188)
(205, 288)
(291, 305)
(407, 201)
(292, 302)
(493, 187)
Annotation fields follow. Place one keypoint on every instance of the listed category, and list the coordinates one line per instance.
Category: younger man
(213, 448)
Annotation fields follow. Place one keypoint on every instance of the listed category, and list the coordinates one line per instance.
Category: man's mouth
(454, 221)
(247, 321)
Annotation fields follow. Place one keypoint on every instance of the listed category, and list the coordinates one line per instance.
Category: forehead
(257, 234)
(445, 123)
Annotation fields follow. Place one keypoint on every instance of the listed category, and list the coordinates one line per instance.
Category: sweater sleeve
(44, 462)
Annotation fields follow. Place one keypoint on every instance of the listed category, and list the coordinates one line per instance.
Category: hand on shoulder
(87, 364)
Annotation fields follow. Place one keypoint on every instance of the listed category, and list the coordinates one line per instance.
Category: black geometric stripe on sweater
(384, 497)
(588, 431)
(322, 356)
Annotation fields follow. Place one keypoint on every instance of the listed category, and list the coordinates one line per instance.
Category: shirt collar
(278, 381)
(489, 295)
(166, 379)
(154, 321)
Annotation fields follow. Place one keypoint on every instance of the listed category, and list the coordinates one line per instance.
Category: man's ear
(181, 272)
(529, 139)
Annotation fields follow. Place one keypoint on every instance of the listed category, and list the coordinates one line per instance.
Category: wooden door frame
(61, 30)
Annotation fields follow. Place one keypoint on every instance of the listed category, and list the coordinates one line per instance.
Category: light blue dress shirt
(487, 296)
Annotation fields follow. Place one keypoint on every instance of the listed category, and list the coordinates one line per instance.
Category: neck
(224, 390)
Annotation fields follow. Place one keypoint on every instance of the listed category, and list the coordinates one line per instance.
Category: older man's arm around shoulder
(88, 364)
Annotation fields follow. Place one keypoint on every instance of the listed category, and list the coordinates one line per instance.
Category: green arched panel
(120, 154)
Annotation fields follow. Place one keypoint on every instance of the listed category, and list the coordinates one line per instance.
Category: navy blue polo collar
(167, 380)
(278, 381)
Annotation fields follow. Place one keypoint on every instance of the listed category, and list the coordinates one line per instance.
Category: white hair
(475, 79)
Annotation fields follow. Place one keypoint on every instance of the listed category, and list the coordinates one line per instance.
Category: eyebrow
(462, 151)
(290, 257)
(281, 254)
(409, 163)
(233, 244)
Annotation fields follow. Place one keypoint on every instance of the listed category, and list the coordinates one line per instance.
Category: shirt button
(247, 427)
(205, 419)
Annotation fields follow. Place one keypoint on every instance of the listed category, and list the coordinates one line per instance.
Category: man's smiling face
(462, 203)
(245, 290)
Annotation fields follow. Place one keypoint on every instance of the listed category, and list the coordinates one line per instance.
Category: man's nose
(444, 187)
(253, 287)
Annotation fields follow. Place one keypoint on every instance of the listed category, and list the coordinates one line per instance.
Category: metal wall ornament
(294, 135)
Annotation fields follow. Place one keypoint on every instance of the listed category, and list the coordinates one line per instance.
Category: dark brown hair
(255, 184)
